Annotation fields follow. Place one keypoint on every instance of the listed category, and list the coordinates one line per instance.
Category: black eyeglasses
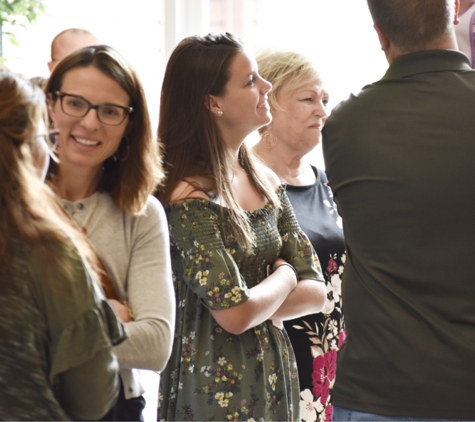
(76, 106)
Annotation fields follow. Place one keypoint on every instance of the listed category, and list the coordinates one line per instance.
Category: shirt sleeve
(296, 247)
(151, 294)
(201, 260)
(82, 328)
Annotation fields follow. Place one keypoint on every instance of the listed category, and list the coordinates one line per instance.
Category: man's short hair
(412, 24)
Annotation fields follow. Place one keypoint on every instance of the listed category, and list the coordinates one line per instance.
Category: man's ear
(212, 104)
(383, 38)
(456, 14)
(50, 66)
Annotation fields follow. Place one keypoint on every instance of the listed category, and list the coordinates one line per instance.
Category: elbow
(146, 336)
(239, 325)
(162, 358)
(320, 297)
(165, 348)
(233, 322)
(235, 329)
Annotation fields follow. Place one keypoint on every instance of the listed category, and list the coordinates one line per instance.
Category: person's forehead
(242, 65)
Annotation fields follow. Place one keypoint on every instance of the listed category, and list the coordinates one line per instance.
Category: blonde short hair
(285, 69)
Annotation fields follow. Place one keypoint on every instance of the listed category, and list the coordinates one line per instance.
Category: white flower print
(330, 303)
(308, 411)
(336, 283)
(273, 380)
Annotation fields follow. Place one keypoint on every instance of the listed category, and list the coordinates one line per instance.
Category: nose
(266, 86)
(90, 120)
(322, 111)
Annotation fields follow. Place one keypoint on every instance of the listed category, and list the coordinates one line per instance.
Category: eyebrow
(87, 101)
(323, 92)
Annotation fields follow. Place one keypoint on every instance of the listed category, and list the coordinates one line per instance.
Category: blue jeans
(344, 415)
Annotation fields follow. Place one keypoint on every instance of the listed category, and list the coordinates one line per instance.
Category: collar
(427, 61)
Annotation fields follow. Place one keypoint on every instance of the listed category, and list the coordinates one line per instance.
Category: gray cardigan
(135, 252)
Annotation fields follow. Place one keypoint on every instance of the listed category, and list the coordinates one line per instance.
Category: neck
(284, 162)
(75, 184)
(448, 42)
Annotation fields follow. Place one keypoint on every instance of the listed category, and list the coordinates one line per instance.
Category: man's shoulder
(357, 103)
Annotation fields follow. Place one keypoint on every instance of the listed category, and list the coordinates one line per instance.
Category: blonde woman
(298, 104)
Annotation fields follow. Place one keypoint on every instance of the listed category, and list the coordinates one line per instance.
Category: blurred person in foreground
(56, 328)
(298, 103)
(399, 158)
(68, 41)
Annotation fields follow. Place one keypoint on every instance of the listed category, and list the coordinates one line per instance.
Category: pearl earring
(220, 113)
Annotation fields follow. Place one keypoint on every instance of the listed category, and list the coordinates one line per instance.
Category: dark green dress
(212, 374)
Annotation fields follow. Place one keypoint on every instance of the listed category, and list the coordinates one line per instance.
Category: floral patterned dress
(316, 338)
(212, 374)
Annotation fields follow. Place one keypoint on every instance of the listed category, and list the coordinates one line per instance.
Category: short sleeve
(296, 247)
(200, 258)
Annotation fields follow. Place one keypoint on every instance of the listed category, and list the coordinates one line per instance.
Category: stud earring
(220, 113)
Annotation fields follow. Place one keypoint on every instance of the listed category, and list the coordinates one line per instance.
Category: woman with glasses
(109, 164)
(56, 328)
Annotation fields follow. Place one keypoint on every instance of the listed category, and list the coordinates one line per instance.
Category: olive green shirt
(56, 338)
(400, 158)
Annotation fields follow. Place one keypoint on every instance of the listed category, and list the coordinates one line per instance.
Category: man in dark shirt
(400, 158)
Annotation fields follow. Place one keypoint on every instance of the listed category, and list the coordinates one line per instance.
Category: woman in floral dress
(241, 264)
(298, 104)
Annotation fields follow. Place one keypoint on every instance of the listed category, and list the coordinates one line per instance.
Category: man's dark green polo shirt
(400, 158)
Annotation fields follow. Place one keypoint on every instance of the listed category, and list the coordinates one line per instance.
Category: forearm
(151, 298)
(307, 298)
(265, 299)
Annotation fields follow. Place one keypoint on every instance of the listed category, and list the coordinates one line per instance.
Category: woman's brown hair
(199, 67)
(136, 170)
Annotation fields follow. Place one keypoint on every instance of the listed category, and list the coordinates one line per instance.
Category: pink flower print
(341, 339)
(324, 370)
(328, 413)
(332, 266)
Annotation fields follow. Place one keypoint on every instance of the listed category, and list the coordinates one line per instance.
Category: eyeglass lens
(79, 107)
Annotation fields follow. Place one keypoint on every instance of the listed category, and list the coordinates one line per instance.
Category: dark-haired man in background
(400, 158)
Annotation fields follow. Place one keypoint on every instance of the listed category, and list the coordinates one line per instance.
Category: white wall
(336, 34)
(134, 28)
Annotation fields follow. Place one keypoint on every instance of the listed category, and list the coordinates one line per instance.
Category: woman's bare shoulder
(188, 189)
(267, 174)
